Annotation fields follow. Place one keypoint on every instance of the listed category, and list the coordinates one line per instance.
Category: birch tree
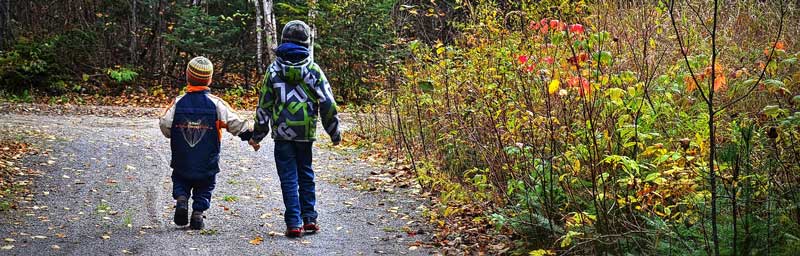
(270, 30)
(312, 21)
(259, 39)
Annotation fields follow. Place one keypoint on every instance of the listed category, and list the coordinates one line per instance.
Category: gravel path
(105, 190)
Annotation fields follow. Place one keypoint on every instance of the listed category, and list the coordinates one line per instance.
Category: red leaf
(576, 28)
(584, 87)
(529, 68)
(582, 57)
(533, 26)
(555, 23)
(522, 59)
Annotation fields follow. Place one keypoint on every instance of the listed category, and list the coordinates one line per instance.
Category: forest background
(533, 127)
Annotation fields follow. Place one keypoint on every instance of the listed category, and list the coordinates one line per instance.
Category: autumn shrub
(591, 138)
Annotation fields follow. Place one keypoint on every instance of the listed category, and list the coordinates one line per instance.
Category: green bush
(45, 64)
(122, 75)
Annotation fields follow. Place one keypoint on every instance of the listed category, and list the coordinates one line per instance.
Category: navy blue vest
(195, 139)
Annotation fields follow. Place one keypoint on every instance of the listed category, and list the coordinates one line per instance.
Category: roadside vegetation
(534, 127)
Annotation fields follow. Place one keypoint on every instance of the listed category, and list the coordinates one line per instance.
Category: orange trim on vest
(220, 125)
(167, 109)
(193, 88)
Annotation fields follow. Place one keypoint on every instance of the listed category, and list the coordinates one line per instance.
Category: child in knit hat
(193, 123)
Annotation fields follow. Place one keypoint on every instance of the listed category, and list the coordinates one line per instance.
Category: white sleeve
(165, 121)
(233, 123)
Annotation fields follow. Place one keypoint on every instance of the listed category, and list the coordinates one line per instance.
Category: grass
(209, 232)
(128, 219)
(230, 198)
(103, 207)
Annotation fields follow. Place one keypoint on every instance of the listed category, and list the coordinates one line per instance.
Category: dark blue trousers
(293, 161)
(198, 190)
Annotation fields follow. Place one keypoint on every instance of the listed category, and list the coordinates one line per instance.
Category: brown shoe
(196, 222)
(181, 211)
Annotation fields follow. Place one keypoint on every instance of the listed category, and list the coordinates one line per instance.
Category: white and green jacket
(292, 96)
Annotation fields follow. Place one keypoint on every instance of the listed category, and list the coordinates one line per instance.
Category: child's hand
(254, 144)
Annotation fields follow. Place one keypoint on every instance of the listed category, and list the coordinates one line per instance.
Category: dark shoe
(182, 211)
(294, 232)
(196, 222)
(310, 225)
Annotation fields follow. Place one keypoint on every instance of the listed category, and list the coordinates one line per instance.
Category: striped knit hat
(199, 71)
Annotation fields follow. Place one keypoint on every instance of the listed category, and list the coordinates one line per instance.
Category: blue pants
(198, 190)
(293, 161)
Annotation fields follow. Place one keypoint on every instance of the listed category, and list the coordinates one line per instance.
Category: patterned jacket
(292, 96)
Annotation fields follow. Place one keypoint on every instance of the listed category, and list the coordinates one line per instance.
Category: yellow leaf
(541, 252)
(554, 86)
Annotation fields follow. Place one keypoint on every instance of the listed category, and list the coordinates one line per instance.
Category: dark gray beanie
(296, 31)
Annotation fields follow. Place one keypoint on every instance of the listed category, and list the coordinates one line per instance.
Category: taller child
(293, 94)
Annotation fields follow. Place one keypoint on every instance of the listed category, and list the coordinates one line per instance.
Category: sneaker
(197, 220)
(310, 225)
(294, 232)
(182, 211)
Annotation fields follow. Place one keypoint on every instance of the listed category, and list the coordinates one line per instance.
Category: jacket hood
(292, 62)
(292, 53)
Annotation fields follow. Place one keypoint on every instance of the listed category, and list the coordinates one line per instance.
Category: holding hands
(254, 144)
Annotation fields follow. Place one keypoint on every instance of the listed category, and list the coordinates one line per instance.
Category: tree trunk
(158, 65)
(132, 47)
(270, 30)
(312, 21)
(259, 52)
(5, 26)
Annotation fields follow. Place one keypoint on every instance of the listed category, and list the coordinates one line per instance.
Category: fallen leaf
(257, 240)
(7, 247)
(55, 247)
(39, 237)
(105, 237)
